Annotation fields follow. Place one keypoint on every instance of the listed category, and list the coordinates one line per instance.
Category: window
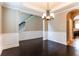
(76, 22)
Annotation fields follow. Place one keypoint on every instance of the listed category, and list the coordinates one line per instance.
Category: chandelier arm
(48, 15)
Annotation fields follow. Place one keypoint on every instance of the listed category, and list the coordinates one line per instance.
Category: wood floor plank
(38, 47)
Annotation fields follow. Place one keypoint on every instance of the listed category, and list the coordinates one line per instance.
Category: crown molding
(23, 9)
(35, 11)
(67, 7)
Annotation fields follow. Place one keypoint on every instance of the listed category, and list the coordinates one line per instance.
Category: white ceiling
(36, 8)
(43, 5)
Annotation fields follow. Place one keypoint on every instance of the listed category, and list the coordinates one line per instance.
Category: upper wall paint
(9, 20)
(23, 16)
(34, 23)
(0, 30)
(0, 20)
(59, 23)
(11, 17)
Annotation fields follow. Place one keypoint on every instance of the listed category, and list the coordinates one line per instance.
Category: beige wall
(0, 32)
(9, 20)
(59, 23)
(58, 27)
(0, 20)
(34, 23)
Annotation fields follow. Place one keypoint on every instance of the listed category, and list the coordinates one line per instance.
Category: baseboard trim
(10, 46)
(30, 35)
(32, 39)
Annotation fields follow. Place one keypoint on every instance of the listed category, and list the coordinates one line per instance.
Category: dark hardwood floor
(38, 47)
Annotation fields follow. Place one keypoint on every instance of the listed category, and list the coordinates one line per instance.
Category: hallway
(76, 43)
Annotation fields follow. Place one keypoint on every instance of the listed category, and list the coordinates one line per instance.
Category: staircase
(22, 23)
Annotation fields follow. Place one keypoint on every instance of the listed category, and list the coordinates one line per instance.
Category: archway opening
(72, 27)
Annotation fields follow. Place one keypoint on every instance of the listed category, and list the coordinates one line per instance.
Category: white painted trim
(45, 35)
(59, 37)
(10, 40)
(35, 11)
(23, 9)
(67, 8)
(38, 12)
(62, 6)
(0, 51)
(30, 35)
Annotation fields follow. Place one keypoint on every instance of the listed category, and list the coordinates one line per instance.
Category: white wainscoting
(0, 51)
(0, 44)
(59, 37)
(45, 35)
(10, 40)
(30, 35)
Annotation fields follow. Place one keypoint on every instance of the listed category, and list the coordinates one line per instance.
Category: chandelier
(48, 15)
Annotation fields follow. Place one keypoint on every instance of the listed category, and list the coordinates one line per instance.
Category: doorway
(73, 28)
